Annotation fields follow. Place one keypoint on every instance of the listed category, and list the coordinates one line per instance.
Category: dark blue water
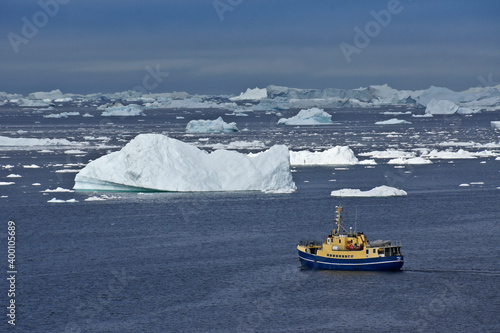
(227, 262)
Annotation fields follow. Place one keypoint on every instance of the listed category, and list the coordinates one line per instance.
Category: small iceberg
(313, 116)
(339, 155)
(380, 191)
(393, 121)
(251, 95)
(130, 110)
(210, 126)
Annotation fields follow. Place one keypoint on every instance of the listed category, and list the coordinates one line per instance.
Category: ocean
(227, 261)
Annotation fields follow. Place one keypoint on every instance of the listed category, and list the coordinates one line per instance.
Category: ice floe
(59, 189)
(62, 115)
(6, 183)
(55, 200)
(339, 155)
(29, 142)
(210, 126)
(414, 160)
(13, 175)
(129, 110)
(393, 121)
(157, 162)
(380, 191)
(313, 116)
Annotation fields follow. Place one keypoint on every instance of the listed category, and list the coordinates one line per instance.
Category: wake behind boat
(347, 250)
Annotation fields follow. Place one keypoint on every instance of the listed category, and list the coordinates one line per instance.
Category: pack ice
(157, 162)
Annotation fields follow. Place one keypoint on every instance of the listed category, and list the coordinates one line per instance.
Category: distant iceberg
(130, 110)
(393, 121)
(313, 116)
(441, 107)
(29, 142)
(157, 162)
(339, 155)
(51, 95)
(380, 191)
(411, 161)
(495, 125)
(251, 94)
(210, 126)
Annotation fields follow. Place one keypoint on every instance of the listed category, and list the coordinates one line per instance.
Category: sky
(226, 46)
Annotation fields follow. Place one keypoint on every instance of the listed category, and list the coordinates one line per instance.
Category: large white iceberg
(210, 126)
(313, 116)
(251, 94)
(157, 162)
(380, 191)
(124, 111)
(339, 155)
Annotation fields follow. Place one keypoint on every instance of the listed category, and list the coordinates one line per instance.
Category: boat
(348, 250)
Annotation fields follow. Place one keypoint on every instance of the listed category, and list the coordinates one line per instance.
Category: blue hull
(392, 263)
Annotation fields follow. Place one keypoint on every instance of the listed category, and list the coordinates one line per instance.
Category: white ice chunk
(441, 107)
(339, 155)
(251, 94)
(393, 121)
(124, 111)
(380, 191)
(157, 162)
(313, 116)
(210, 126)
(414, 160)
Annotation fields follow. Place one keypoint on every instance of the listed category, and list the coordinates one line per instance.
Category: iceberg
(313, 116)
(62, 115)
(124, 111)
(29, 142)
(339, 155)
(389, 153)
(251, 95)
(51, 95)
(495, 125)
(157, 162)
(441, 107)
(210, 126)
(380, 191)
(393, 121)
(412, 161)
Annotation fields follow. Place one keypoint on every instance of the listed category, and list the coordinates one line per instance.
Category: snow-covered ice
(210, 126)
(251, 94)
(380, 191)
(29, 142)
(157, 162)
(414, 160)
(62, 115)
(441, 107)
(495, 125)
(339, 155)
(130, 110)
(393, 121)
(59, 189)
(313, 116)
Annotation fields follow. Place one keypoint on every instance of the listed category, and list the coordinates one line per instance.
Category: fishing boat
(348, 250)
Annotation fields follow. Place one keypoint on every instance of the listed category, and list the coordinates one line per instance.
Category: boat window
(367, 251)
(374, 250)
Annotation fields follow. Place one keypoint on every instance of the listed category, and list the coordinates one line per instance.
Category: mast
(339, 218)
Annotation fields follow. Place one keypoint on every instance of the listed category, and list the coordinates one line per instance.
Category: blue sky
(86, 46)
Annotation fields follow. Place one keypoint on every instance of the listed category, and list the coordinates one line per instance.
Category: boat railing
(384, 244)
(310, 243)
